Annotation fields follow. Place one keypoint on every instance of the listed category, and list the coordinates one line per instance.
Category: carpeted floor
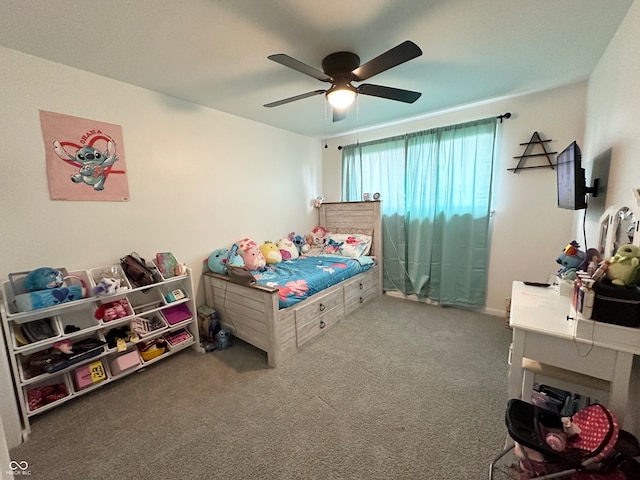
(397, 390)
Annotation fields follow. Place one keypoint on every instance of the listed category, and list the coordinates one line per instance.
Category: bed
(254, 314)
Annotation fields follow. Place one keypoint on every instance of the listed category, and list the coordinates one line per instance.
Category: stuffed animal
(319, 235)
(572, 259)
(222, 340)
(271, 253)
(42, 279)
(106, 286)
(217, 261)
(298, 240)
(288, 250)
(316, 240)
(332, 247)
(624, 267)
(251, 254)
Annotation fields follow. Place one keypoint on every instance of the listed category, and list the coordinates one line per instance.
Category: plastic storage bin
(89, 374)
(152, 349)
(46, 393)
(114, 311)
(177, 314)
(77, 322)
(28, 335)
(118, 364)
(177, 338)
(148, 325)
(17, 299)
(110, 271)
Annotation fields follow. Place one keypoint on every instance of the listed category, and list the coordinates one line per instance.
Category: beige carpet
(398, 390)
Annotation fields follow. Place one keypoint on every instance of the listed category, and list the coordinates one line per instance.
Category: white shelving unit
(108, 363)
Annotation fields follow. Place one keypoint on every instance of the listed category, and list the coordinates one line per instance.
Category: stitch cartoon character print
(93, 164)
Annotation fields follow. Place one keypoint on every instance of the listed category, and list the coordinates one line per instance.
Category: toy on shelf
(106, 286)
(572, 259)
(43, 278)
(168, 265)
(44, 287)
(113, 310)
(624, 266)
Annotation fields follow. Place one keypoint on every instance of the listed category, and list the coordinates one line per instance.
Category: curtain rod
(503, 116)
(499, 117)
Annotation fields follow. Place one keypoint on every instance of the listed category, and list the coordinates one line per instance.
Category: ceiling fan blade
(390, 93)
(391, 58)
(293, 99)
(297, 65)
(339, 114)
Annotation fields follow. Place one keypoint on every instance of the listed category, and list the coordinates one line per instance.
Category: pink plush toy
(251, 254)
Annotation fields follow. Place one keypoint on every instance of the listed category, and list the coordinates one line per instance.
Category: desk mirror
(624, 228)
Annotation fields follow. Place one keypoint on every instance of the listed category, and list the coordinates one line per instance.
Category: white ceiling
(214, 52)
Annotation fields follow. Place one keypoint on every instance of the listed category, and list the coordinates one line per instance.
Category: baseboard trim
(393, 293)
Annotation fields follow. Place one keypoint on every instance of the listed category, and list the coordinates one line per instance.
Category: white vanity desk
(543, 332)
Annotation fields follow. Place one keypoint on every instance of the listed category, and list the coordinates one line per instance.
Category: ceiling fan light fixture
(341, 96)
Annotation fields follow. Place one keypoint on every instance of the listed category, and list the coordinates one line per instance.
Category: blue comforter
(298, 279)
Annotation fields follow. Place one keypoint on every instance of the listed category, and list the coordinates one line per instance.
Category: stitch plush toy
(625, 265)
(222, 340)
(298, 240)
(572, 259)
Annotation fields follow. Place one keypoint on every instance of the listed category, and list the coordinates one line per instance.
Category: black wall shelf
(530, 145)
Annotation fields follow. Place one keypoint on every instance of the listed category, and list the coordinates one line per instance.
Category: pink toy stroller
(586, 446)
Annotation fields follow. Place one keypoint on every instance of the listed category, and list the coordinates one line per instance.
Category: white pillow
(352, 245)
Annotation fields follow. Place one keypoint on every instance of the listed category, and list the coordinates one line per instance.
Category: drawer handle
(361, 300)
(322, 307)
(322, 324)
(361, 286)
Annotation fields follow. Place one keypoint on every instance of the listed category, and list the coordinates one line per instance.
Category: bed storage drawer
(360, 290)
(316, 316)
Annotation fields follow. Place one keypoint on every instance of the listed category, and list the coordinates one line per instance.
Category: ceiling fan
(342, 68)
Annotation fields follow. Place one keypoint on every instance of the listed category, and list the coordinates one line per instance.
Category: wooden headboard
(355, 216)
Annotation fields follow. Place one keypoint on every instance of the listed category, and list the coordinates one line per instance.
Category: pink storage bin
(89, 374)
(124, 362)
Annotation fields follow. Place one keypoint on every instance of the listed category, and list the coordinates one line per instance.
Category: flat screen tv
(572, 185)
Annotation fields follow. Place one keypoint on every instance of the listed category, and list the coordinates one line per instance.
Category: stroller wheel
(630, 468)
(627, 444)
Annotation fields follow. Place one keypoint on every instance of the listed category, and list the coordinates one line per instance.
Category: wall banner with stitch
(85, 159)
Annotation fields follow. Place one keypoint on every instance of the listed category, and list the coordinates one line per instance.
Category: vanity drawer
(312, 319)
(359, 291)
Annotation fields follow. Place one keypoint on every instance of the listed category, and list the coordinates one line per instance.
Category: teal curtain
(436, 192)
